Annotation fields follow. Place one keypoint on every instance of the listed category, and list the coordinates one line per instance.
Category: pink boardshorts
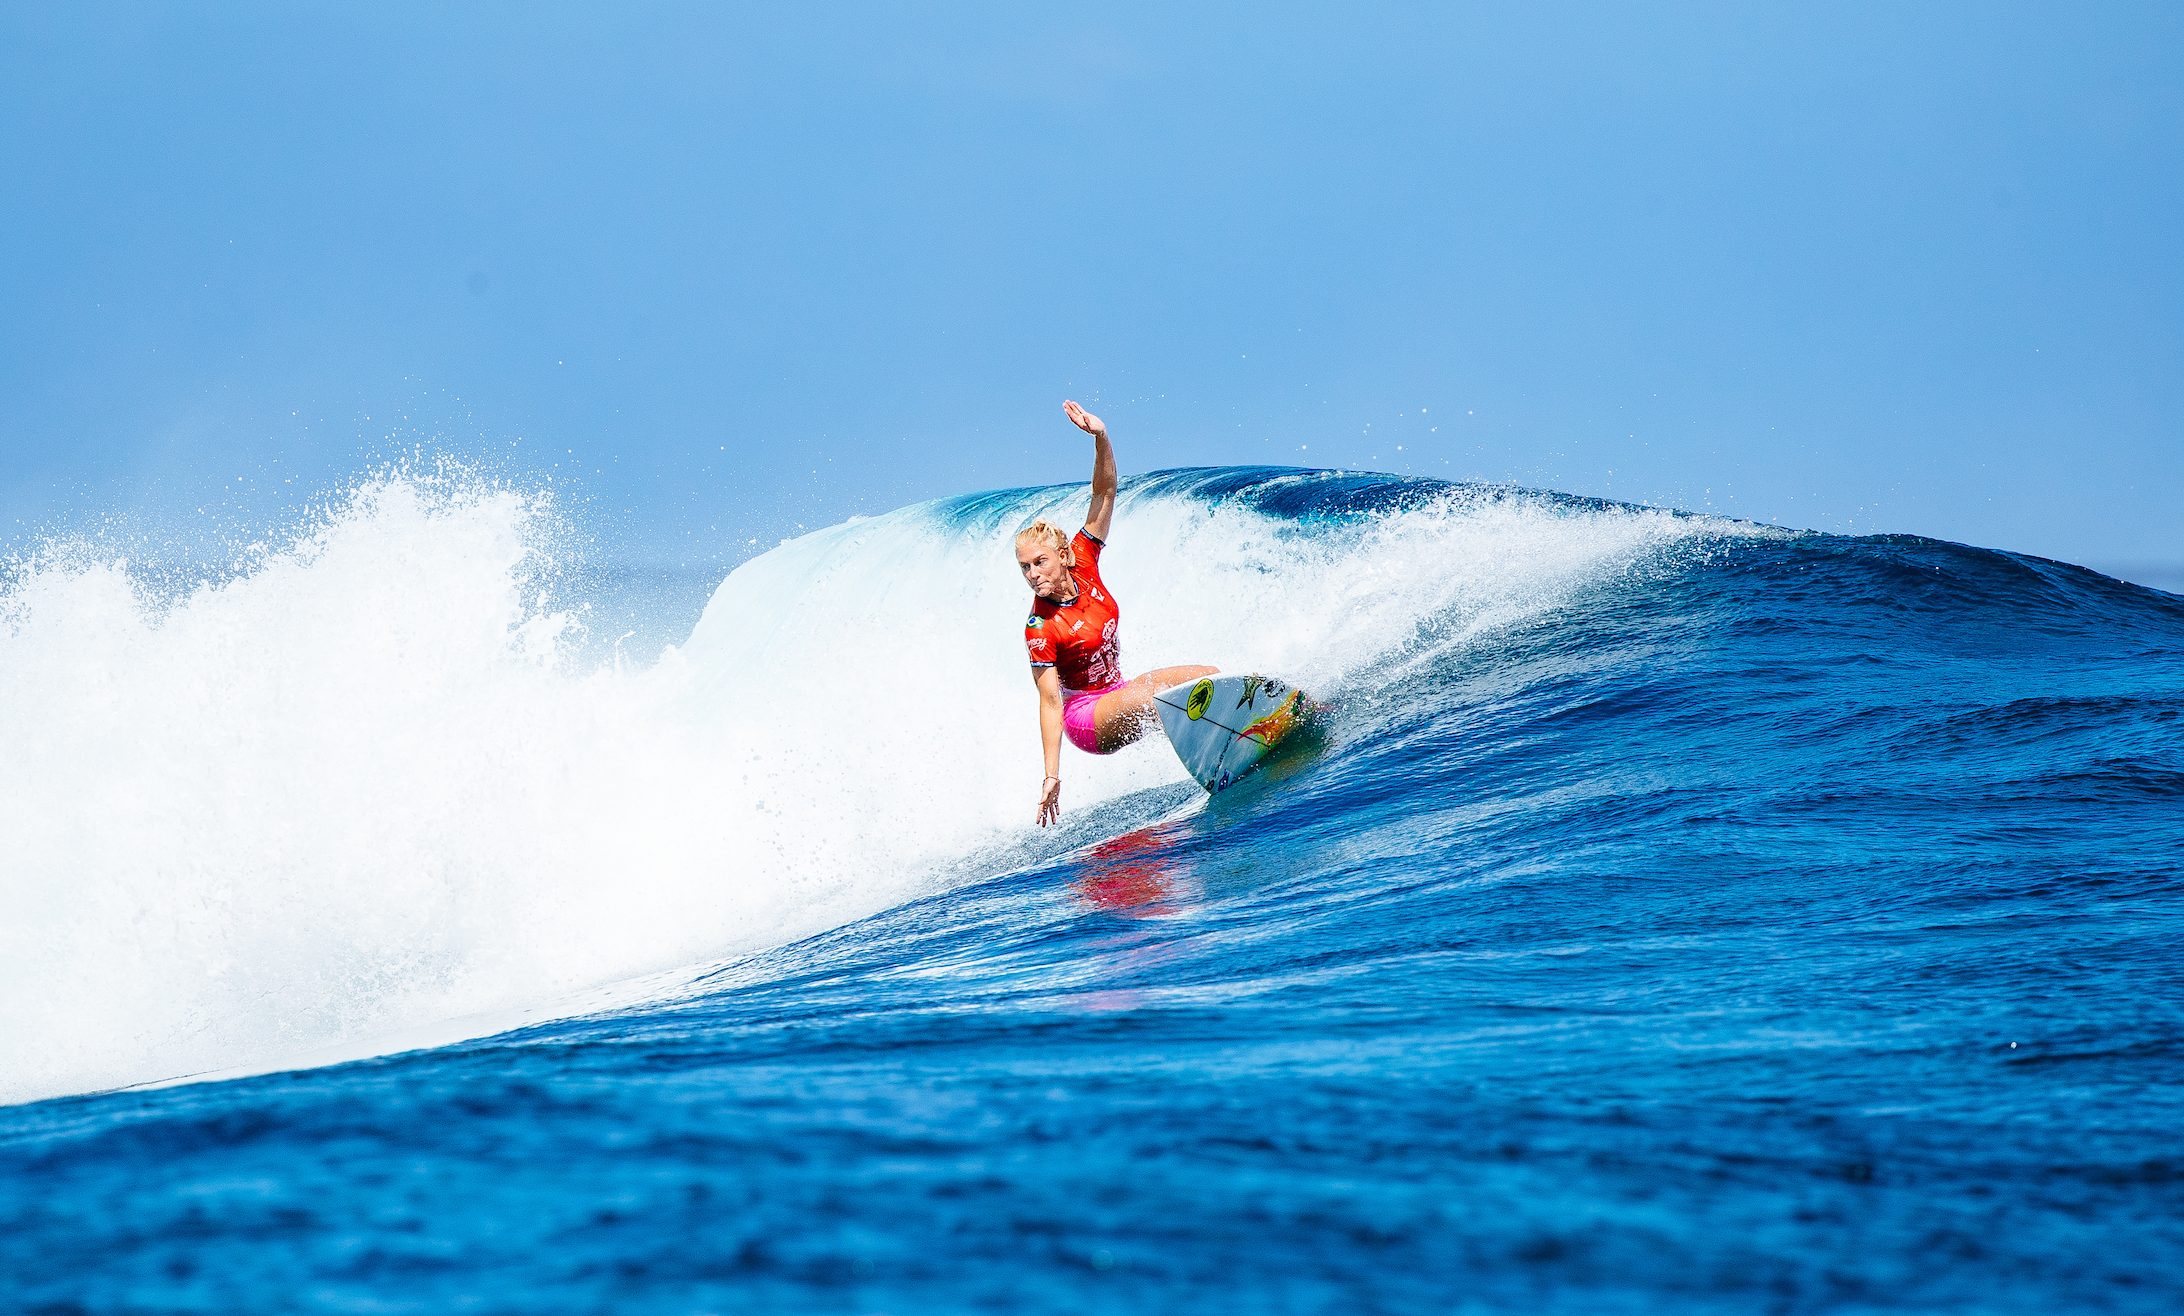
(1077, 720)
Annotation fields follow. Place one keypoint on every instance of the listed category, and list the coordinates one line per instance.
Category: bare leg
(1126, 714)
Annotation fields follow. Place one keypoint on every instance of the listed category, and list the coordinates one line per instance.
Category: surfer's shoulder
(1087, 548)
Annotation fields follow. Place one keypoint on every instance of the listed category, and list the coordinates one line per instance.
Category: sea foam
(370, 781)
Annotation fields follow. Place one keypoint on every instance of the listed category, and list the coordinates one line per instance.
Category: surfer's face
(1043, 568)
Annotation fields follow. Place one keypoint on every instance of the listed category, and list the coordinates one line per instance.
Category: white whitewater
(365, 785)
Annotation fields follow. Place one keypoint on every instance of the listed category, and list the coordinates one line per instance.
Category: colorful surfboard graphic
(1221, 726)
(1270, 729)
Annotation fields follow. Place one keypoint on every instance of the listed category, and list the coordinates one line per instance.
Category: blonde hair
(1052, 533)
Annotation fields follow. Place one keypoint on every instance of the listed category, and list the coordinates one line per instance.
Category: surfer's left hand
(1084, 420)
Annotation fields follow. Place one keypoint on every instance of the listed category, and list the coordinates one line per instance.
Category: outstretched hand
(1084, 420)
(1050, 801)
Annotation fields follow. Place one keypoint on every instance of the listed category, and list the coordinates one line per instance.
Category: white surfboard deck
(1222, 725)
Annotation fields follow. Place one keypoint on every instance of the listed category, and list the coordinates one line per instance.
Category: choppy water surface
(1682, 916)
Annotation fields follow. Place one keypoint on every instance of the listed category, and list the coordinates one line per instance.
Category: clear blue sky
(1868, 267)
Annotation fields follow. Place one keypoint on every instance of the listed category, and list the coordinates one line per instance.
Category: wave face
(367, 782)
(1680, 911)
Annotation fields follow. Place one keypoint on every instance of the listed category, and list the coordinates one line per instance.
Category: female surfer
(1076, 660)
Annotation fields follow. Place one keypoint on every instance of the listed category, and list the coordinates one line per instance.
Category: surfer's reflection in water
(1076, 657)
(1133, 875)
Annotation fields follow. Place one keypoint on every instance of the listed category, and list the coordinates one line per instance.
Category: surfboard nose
(1222, 725)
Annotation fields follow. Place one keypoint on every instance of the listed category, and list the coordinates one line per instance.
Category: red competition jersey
(1077, 638)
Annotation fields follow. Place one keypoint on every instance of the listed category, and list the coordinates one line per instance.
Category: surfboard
(1222, 725)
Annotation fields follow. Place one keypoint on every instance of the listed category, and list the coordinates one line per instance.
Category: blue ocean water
(1680, 916)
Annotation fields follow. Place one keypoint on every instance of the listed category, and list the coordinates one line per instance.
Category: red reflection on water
(1130, 874)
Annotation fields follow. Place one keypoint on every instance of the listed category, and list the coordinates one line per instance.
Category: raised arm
(1097, 520)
